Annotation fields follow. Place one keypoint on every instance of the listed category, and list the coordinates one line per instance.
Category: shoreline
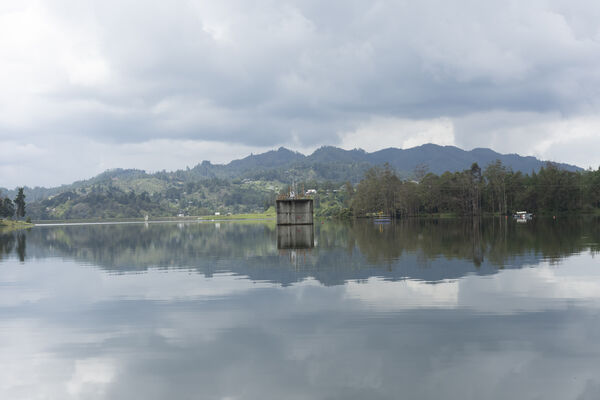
(6, 225)
(157, 220)
(9, 225)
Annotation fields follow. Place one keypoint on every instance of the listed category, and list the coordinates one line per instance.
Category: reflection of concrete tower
(295, 241)
(295, 237)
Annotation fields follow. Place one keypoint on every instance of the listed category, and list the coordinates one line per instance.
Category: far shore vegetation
(12, 212)
(10, 225)
(493, 190)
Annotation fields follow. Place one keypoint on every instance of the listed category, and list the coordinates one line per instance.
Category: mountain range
(324, 164)
(437, 159)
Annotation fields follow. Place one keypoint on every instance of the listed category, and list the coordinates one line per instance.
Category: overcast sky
(91, 85)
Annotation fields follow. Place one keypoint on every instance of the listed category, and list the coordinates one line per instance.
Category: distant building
(311, 191)
(217, 213)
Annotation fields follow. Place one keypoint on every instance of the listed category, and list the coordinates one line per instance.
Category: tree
(20, 203)
(495, 175)
(378, 192)
(7, 208)
(475, 183)
(421, 171)
(349, 189)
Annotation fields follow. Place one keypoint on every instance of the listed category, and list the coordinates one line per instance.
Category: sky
(92, 85)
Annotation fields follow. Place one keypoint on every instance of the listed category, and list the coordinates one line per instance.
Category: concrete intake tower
(294, 210)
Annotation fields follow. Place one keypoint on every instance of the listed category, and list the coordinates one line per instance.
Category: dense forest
(495, 189)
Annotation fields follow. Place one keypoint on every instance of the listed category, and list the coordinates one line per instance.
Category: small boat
(523, 216)
(382, 220)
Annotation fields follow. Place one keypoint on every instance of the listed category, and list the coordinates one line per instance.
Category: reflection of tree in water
(429, 239)
(379, 245)
(499, 240)
(552, 240)
(21, 246)
(159, 245)
(16, 241)
(426, 249)
(477, 248)
(7, 243)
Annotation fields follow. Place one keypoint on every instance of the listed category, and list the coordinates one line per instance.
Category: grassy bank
(9, 225)
(269, 214)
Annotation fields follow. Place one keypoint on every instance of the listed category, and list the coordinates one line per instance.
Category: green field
(9, 225)
(268, 214)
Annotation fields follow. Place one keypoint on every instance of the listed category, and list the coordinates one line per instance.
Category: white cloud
(379, 133)
(548, 136)
(93, 157)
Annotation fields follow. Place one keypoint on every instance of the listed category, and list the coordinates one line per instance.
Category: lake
(416, 309)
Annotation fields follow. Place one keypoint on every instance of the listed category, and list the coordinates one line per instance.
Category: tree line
(493, 190)
(10, 208)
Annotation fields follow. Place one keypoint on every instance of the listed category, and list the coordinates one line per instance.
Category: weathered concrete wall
(295, 237)
(294, 211)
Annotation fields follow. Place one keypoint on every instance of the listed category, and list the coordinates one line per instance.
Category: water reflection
(419, 309)
(16, 241)
(429, 250)
(295, 237)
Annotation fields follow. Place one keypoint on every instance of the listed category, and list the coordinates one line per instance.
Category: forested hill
(248, 184)
(326, 163)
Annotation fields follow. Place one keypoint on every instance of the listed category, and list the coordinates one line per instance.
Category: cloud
(299, 74)
(402, 133)
(548, 136)
(73, 158)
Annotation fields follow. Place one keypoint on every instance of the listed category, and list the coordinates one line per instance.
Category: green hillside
(251, 184)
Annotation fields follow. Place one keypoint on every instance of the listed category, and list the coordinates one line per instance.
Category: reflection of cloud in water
(34, 347)
(91, 378)
(385, 295)
(94, 285)
(536, 288)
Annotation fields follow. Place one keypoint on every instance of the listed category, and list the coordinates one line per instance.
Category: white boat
(523, 216)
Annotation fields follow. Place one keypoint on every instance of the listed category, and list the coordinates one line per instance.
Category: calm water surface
(452, 309)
